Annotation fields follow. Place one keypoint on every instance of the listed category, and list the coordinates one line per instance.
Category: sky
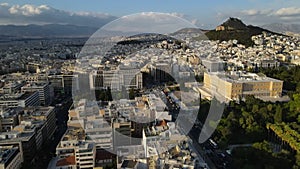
(206, 13)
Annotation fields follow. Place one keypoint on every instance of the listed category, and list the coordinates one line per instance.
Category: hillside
(234, 28)
(234, 24)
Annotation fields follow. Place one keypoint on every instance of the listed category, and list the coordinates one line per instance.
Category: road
(193, 134)
(231, 147)
(48, 151)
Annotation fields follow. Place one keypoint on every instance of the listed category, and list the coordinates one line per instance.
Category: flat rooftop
(74, 133)
(39, 111)
(240, 77)
(16, 96)
(34, 85)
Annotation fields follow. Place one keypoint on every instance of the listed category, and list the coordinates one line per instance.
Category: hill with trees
(234, 28)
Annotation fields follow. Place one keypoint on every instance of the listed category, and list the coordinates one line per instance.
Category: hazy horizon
(203, 14)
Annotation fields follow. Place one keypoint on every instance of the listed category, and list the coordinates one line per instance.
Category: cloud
(254, 12)
(28, 10)
(250, 12)
(265, 16)
(4, 4)
(282, 12)
(43, 14)
(92, 14)
(292, 11)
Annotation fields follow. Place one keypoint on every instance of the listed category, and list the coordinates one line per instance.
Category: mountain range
(282, 28)
(45, 31)
(233, 29)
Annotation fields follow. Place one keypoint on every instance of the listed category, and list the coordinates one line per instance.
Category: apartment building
(116, 78)
(64, 83)
(35, 128)
(10, 157)
(74, 152)
(96, 129)
(12, 87)
(9, 118)
(213, 65)
(45, 95)
(26, 99)
(121, 132)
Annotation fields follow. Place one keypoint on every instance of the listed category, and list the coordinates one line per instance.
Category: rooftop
(34, 85)
(38, 111)
(70, 160)
(9, 112)
(240, 77)
(6, 152)
(16, 96)
(15, 136)
(74, 133)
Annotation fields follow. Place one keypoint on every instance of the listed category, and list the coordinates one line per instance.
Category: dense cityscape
(225, 98)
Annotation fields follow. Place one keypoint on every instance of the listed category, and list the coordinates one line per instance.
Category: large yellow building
(235, 85)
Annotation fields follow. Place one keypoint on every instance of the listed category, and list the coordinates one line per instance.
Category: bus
(213, 144)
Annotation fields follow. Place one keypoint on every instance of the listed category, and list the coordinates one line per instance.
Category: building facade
(237, 85)
(10, 157)
(116, 78)
(43, 89)
(27, 99)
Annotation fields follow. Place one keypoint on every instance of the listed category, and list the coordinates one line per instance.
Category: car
(221, 155)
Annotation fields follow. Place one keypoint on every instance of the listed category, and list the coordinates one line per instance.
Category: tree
(294, 107)
(269, 107)
(297, 157)
(295, 103)
(242, 123)
(278, 114)
(265, 146)
(298, 87)
(131, 94)
(255, 108)
(264, 115)
(199, 78)
(124, 92)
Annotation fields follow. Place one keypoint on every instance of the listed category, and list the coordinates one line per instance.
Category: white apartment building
(116, 78)
(73, 152)
(27, 99)
(43, 89)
